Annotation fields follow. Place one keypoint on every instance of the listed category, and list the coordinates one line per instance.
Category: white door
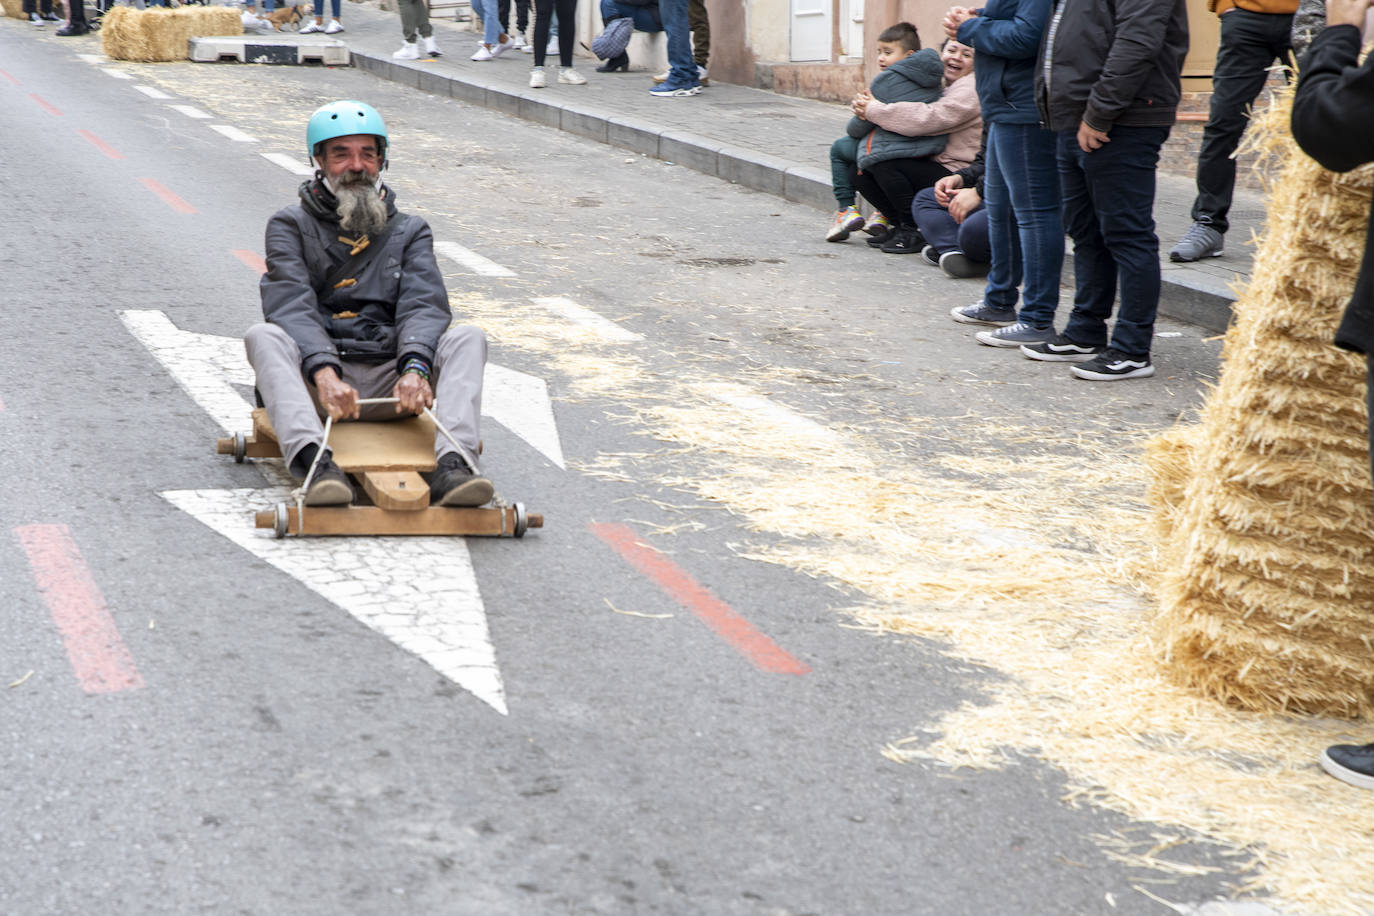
(852, 30)
(810, 29)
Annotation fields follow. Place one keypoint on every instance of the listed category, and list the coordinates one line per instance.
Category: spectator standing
(1109, 83)
(76, 21)
(699, 23)
(334, 27)
(37, 18)
(683, 79)
(495, 41)
(1331, 115)
(544, 11)
(1021, 182)
(1254, 33)
(415, 23)
(522, 21)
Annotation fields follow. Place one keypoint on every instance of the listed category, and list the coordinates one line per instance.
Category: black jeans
(1250, 42)
(522, 15)
(891, 186)
(567, 29)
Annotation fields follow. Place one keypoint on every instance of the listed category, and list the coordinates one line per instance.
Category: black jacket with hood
(1110, 62)
(397, 308)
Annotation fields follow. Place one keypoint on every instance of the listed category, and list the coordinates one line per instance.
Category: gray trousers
(415, 18)
(293, 406)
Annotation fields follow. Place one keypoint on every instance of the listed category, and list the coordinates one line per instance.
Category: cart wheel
(521, 520)
(282, 521)
(240, 447)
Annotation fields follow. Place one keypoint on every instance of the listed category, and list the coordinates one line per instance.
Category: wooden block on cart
(393, 445)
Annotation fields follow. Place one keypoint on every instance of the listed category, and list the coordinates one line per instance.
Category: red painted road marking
(168, 198)
(45, 104)
(10, 78)
(101, 145)
(252, 259)
(102, 662)
(695, 597)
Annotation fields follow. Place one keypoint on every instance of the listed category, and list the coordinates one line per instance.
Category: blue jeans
(490, 12)
(1109, 202)
(645, 17)
(942, 233)
(683, 68)
(333, 8)
(1021, 192)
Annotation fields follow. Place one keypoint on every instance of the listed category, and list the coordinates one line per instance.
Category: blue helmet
(344, 119)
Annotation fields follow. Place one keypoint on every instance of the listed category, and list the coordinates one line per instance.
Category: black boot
(454, 483)
(620, 62)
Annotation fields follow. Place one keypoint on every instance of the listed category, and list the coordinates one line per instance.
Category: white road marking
(233, 133)
(585, 317)
(290, 163)
(93, 58)
(785, 417)
(117, 74)
(472, 260)
(521, 404)
(153, 92)
(420, 593)
(191, 111)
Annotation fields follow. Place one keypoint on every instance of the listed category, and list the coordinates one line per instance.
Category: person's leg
(682, 69)
(543, 9)
(459, 361)
(1094, 271)
(336, 8)
(522, 15)
(502, 14)
(422, 25)
(567, 12)
(699, 22)
(1004, 277)
(901, 179)
(1121, 176)
(937, 227)
(844, 152)
(276, 362)
(873, 192)
(1027, 160)
(973, 236)
(1249, 43)
(409, 14)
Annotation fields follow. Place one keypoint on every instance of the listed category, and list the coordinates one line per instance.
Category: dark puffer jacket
(399, 299)
(1112, 62)
(918, 77)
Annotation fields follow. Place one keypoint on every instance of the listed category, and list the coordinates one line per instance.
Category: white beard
(361, 209)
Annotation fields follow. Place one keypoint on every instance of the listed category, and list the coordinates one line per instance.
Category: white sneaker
(537, 80)
(552, 46)
(662, 77)
(701, 76)
(311, 27)
(502, 47)
(528, 48)
(483, 53)
(571, 77)
(518, 41)
(431, 46)
(335, 27)
(409, 51)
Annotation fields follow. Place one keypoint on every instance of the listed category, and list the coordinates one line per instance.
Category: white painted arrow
(421, 593)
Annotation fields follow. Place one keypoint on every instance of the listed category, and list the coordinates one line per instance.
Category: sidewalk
(769, 142)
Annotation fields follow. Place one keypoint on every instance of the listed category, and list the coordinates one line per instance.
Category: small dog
(284, 18)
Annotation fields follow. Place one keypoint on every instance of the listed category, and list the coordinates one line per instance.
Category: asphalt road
(267, 752)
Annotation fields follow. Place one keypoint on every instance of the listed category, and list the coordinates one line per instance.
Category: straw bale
(1264, 506)
(14, 9)
(163, 34)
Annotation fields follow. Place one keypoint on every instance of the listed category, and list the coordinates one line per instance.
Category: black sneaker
(982, 313)
(1350, 763)
(73, 28)
(880, 238)
(1059, 349)
(36, 20)
(52, 17)
(1110, 365)
(931, 255)
(906, 240)
(329, 486)
(455, 484)
(958, 266)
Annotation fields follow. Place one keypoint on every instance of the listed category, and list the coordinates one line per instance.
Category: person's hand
(860, 104)
(964, 203)
(956, 17)
(337, 397)
(1090, 138)
(413, 393)
(1347, 12)
(945, 188)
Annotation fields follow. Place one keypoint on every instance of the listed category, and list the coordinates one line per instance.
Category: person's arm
(955, 108)
(288, 299)
(422, 316)
(1017, 38)
(1334, 100)
(1141, 26)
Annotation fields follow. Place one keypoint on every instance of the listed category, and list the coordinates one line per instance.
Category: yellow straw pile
(1264, 508)
(163, 34)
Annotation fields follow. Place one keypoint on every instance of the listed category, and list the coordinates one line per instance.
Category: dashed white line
(290, 163)
(191, 111)
(783, 417)
(472, 260)
(233, 133)
(93, 58)
(118, 74)
(152, 92)
(585, 317)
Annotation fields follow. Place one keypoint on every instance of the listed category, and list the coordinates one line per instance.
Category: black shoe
(329, 486)
(36, 21)
(879, 238)
(52, 17)
(931, 255)
(455, 484)
(959, 266)
(906, 240)
(74, 28)
(1351, 763)
(620, 62)
(1110, 365)
(1060, 349)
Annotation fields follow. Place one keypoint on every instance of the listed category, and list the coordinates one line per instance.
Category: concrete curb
(1182, 297)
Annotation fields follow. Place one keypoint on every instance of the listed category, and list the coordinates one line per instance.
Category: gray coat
(916, 78)
(399, 299)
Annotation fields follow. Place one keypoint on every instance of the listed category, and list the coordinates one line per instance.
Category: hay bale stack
(1267, 588)
(14, 9)
(161, 34)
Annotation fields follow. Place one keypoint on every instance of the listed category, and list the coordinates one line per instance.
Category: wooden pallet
(385, 460)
